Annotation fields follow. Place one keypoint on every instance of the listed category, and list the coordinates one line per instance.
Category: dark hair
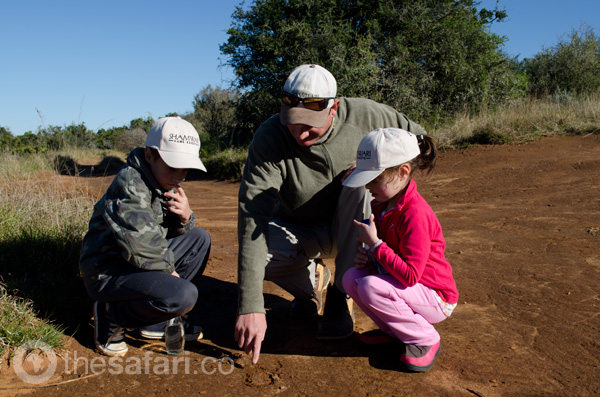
(428, 157)
(424, 161)
(155, 153)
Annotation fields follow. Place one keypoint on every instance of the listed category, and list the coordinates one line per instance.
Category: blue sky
(105, 63)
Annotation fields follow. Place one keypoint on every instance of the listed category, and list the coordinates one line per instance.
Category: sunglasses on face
(309, 103)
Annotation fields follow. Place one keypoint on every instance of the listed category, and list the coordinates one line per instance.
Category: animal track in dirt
(258, 375)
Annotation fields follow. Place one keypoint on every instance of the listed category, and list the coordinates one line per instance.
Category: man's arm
(250, 331)
(256, 203)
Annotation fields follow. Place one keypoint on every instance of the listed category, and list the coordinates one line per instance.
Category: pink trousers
(403, 312)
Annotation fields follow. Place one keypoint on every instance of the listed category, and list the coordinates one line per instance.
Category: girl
(401, 279)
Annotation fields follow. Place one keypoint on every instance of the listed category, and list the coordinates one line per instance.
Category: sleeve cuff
(377, 244)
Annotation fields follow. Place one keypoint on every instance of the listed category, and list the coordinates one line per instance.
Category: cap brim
(360, 178)
(300, 115)
(180, 160)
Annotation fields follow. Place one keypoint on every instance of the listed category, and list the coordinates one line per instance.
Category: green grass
(19, 323)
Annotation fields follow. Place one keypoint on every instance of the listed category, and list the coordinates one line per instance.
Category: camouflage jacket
(131, 224)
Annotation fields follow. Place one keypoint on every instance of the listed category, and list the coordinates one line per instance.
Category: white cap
(308, 81)
(177, 142)
(380, 149)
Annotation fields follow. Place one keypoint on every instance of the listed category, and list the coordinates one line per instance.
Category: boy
(142, 256)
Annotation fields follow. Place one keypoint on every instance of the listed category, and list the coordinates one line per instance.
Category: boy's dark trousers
(139, 298)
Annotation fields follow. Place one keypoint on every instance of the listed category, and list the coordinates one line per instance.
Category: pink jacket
(413, 245)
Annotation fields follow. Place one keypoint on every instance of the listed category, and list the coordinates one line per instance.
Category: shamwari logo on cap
(363, 154)
(187, 139)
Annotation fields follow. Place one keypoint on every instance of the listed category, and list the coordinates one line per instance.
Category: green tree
(571, 66)
(107, 139)
(29, 143)
(144, 124)
(423, 57)
(74, 135)
(215, 116)
(6, 139)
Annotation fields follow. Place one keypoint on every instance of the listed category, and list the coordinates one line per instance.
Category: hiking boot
(108, 336)
(303, 308)
(376, 337)
(157, 331)
(419, 358)
(314, 305)
(338, 318)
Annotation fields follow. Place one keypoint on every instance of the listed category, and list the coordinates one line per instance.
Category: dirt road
(522, 225)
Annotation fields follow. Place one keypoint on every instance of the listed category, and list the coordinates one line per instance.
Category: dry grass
(41, 225)
(41, 199)
(523, 120)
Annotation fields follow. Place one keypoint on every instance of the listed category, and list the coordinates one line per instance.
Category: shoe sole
(152, 335)
(159, 336)
(324, 279)
(112, 353)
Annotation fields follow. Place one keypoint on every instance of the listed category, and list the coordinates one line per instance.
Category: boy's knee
(200, 235)
(191, 297)
(185, 299)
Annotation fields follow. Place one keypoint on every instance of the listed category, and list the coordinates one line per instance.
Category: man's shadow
(217, 308)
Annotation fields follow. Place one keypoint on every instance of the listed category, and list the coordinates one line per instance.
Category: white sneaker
(157, 331)
(108, 336)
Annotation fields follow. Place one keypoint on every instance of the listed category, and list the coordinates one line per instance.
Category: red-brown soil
(522, 225)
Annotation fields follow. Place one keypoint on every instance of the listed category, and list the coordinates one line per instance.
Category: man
(293, 209)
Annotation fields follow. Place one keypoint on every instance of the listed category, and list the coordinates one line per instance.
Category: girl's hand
(175, 274)
(361, 260)
(179, 204)
(367, 234)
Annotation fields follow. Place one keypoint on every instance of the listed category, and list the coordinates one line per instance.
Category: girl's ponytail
(427, 159)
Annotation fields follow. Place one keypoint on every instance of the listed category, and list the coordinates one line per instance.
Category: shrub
(131, 139)
(570, 67)
(227, 164)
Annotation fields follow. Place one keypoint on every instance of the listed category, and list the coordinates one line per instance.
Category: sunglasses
(309, 103)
